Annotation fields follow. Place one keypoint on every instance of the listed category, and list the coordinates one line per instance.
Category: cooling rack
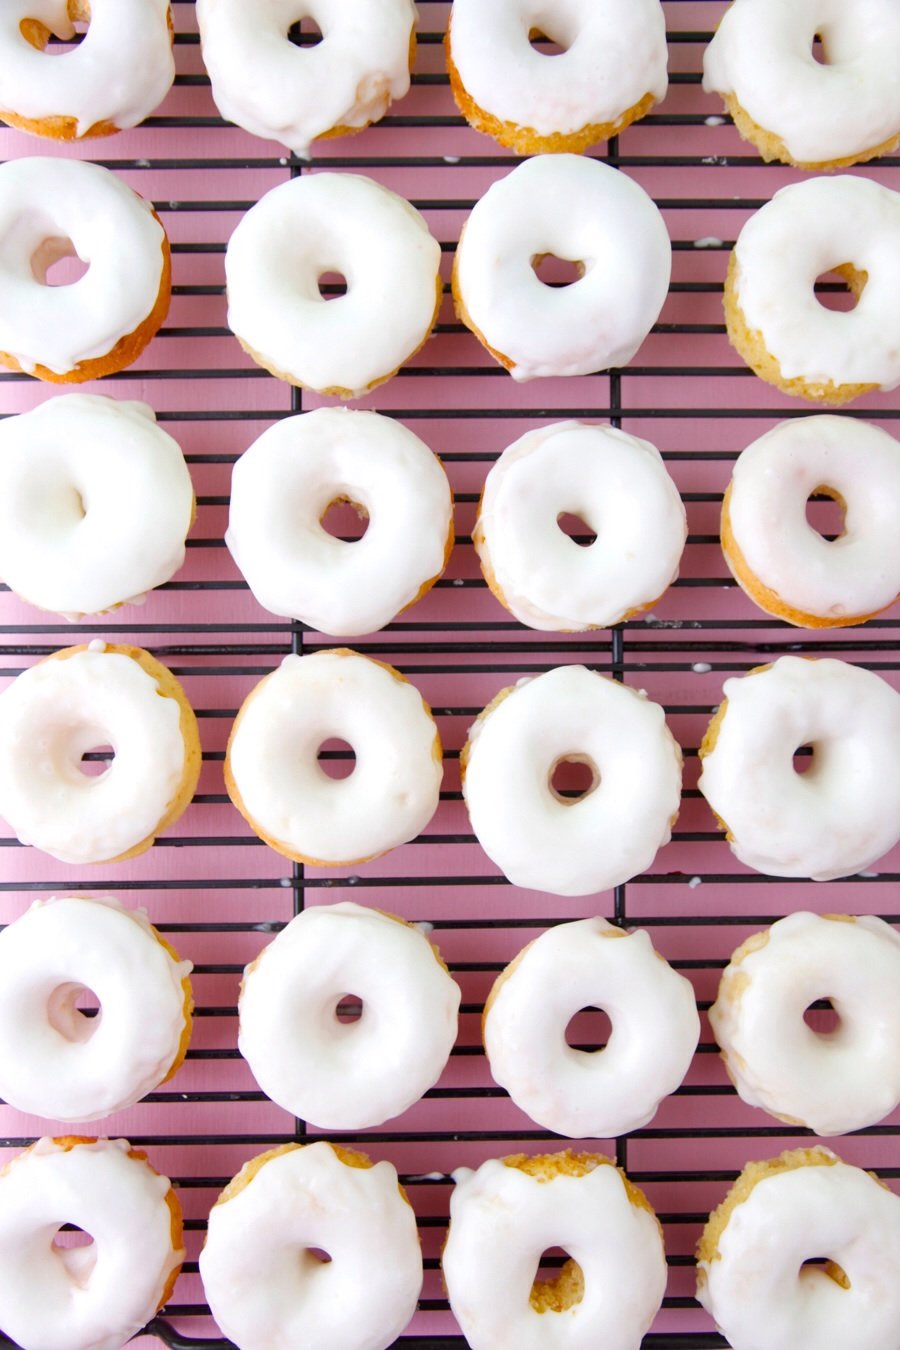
(218, 893)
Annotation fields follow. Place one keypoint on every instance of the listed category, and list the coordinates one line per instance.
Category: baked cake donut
(832, 1082)
(67, 705)
(839, 816)
(784, 565)
(262, 1269)
(332, 222)
(95, 503)
(589, 214)
(618, 485)
(794, 109)
(752, 1275)
(283, 487)
(846, 225)
(610, 74)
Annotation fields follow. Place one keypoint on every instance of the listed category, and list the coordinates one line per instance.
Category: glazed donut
(113, 79)
(808, 1203)
(794, 109)
(296, 95)
(274, 778)
(830, 1083)
(95, 1297)
(785, 566)
(332, 222)
(550, 843)
(65, 706)
(263, 1277)
(347, 1076)
(95, 504)
(580, 210)
(774, 321)
(504, 1216)
(611, 73)
(618, 485)
(655, 1029)
(283, 487)
(844, 812)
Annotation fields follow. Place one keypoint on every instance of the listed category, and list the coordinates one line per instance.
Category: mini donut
(505, 1215)
(332, 222)
(285, 484)
(611, 73)
(551, 843)
(831, 1083)
(59, 208)
(839, 816)
(804, 1205)
(655, 1029)
(774, 321)
(347, 1075)
(587, 213)
(276, 782)
(791, 107)
(117, 75)
(91, 1297)
(782, 563)
(262, 1272)
(618, 485)
(95, 504)
(70, 703)
(296, 95)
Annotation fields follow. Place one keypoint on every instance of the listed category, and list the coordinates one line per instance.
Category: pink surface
(216, 889)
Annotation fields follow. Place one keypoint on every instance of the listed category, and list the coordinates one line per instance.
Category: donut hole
(589, 1030)
(826, 513)
(558, 1284)
(74, 1011)
(555, 271)
(337, 758)
(345, 519)
(349, 1008)
(317, 1254)
(823, 1265)
(841, 287)
(56, 263)
(576, 529)
(546, 44)
(332, 285)
(804, 759)
(39, 36)
(305, 32)
(573, 778)
(823, 1018)
(96, 762)
(77, 1251)
(819, 50)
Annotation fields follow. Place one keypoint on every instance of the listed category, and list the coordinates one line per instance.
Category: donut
(92, 1297)
(262, 1271)
(804, 1205)
(548, 842)
(505, 1215)
(276, 782)
(618, 485)
(611, 73)
(347, 1075)
(791, 107)
(286, 483)
(846, 225)
(655, 1029)
(67, 705)
(114, 78)
(782, 563)
(332, 222)
(841, 814)
(831, 1083)
(587, 213)
(296, 95)
(95, 504)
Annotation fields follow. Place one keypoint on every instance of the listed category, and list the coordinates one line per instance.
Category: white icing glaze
(572, 847)
(291, 94)
(842, 813)
(393, 790)
(763, 54)
(764, 1298)
(47, 200)
(581, 210)
(618, 485)
(281, 489)
(809, 228)
(55, 712)
(83, 1298)
(330, 222)
(267, 1288)
(95, 503)
(502, 1221)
